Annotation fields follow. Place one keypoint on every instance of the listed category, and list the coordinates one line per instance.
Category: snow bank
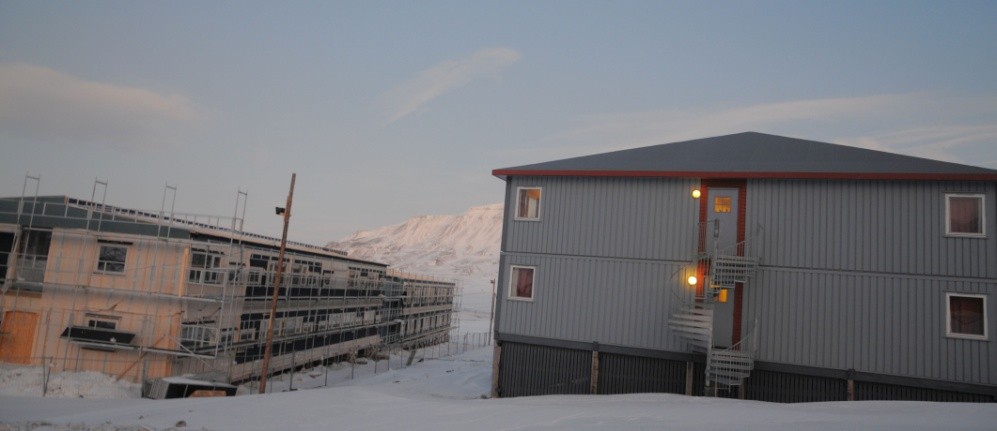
(446, 394)
(29, 381)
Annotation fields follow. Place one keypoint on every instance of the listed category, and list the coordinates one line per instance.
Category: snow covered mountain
(461, 247)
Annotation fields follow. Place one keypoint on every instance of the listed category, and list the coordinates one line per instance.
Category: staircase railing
(692, 315)
(729, 367)
(733, 264)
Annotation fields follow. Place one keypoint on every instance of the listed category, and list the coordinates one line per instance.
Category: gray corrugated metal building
(821, 272)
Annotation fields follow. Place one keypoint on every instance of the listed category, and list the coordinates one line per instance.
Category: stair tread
(692, 317)
(691, 328)
(733, 369)
(735, 359)
(728, 381)
(731, 353)
(734, 257)
(695, 312)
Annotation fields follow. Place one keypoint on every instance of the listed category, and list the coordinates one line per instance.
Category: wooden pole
(267, 352)
(594, 376)
(491, 314)
(496, 363)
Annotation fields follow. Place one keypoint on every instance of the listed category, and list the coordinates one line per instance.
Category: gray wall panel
(609, 301)
(634, 218)
(877, 226)
(887, 324)
(854, 273)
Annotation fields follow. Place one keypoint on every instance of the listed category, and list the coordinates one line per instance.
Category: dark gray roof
(754, 155)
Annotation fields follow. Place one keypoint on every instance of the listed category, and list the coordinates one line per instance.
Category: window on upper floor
(721, 204)
(521, 282)
(112, 258)
(102, 321)
(528, 203)
(964, 215)
(967, 316)
(205, 267)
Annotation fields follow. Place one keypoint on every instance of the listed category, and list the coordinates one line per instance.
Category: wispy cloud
(652, 127)
(941, 142)
(438, 80)
(917, 124)
(40, 104)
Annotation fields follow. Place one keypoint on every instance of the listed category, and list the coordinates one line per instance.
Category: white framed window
(205, 267)
(101, 321)
(965, 215)
(112, 258)
(528, 203)
(966, 316)
(521, 282)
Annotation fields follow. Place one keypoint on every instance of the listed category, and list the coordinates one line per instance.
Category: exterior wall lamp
(696, 193)
(692, 280)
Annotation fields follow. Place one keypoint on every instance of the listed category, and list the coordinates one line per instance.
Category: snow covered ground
(439, 394)
(447, 394)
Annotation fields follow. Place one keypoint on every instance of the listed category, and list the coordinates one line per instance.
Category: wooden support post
(496, 359)
(850, 376)
(594, 382)
(689, 369)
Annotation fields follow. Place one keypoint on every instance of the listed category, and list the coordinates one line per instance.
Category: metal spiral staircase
(726, 367)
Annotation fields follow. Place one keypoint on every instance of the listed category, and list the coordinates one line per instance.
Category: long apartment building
(145, 294)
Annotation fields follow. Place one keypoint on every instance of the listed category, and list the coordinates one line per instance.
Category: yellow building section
(17, 336)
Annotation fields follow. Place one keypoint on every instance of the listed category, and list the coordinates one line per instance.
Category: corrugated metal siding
(609, 301)
(865, 391)
(878, 323)
(624, 374)
(793, 388)
(633, 218)
(876, 226)
(527, 369)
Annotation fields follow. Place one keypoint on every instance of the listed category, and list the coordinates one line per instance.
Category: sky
(388, 110)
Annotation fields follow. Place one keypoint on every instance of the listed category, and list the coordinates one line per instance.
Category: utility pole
(267, 352)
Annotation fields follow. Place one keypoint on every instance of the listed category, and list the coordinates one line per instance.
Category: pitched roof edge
(504, 173)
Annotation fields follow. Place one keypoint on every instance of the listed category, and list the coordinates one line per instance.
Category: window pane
(528, 205)
(965, 214)
(721, 204)
(966, 314)
(522, 279)
(112, 258)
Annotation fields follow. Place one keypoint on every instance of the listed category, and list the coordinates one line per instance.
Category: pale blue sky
(388, 110)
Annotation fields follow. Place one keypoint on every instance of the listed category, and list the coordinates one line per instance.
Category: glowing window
(721, 204)
(528, 203)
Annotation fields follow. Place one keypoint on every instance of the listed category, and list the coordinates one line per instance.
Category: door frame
(741, 185)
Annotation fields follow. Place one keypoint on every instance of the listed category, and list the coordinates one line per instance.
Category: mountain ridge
(463, 247)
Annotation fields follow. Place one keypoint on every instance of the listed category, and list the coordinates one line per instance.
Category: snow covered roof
(754, 155)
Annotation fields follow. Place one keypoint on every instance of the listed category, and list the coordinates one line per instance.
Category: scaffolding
(151, 294)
